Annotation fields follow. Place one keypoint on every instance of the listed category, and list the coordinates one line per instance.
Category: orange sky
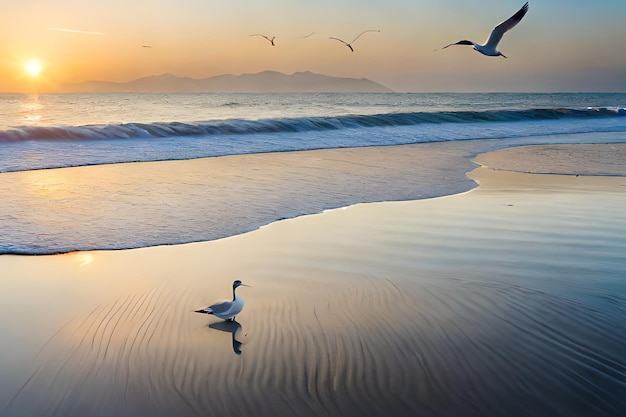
(559, 46)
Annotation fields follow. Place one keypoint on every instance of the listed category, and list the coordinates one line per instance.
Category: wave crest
(286, 125)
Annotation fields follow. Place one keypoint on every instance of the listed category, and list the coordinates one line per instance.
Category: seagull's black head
(238, 283)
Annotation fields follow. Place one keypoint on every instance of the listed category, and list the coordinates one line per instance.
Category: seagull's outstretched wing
(337, 39)
(463, 42)
(499, 31)
(271, 40)
(344, 42)
(362, 33)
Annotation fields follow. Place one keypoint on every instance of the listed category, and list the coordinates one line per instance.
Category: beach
(420, 224)
(504, 299)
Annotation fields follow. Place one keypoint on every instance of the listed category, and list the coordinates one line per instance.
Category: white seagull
(349, 44)
(271, 40)
(490, 48)
(226, 310)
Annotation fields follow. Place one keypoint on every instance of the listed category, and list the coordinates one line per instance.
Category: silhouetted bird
(349, 44)
(271, 40)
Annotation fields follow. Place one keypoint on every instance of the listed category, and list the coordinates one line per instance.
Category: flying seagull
(271, 40)
(489, 48)
(349, 44)
(226, 310)
(309, 35)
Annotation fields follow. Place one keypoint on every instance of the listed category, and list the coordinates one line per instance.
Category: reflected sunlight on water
(31, 110)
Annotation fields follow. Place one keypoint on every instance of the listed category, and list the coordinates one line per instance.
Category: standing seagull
(226, 310)
(349, 44)
(271, 40)
(489, 48)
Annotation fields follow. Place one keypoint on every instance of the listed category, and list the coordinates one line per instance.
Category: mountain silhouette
(261, 82)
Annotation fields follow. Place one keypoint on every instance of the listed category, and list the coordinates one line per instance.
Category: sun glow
(33, 67)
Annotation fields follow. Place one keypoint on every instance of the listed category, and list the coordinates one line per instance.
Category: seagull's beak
(244, 285)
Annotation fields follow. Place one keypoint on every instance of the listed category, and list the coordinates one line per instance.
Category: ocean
(40, 132)
(53, 131)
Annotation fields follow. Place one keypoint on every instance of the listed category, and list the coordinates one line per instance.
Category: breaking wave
(303, 124)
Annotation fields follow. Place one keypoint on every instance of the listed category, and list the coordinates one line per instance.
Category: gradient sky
(561, 45)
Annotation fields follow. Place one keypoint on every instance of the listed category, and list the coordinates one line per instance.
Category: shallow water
(47, 209)
(124, 206)
(507, 300)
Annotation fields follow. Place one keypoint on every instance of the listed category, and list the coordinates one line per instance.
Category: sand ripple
(380, 348)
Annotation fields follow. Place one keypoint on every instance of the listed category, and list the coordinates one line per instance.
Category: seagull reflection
(232, 327)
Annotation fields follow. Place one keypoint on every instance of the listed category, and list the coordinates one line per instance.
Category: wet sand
(505, 300)
(580, 159)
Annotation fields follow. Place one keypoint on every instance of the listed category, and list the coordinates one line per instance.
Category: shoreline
(378, 308)
(228, 196)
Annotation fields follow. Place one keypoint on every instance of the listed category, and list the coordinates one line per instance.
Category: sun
(33, 67)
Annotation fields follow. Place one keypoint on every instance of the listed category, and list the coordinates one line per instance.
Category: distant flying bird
(489, 48)
(271, 40)
(226, 310)
(310, 34)
(146, 46)
(349, 44)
